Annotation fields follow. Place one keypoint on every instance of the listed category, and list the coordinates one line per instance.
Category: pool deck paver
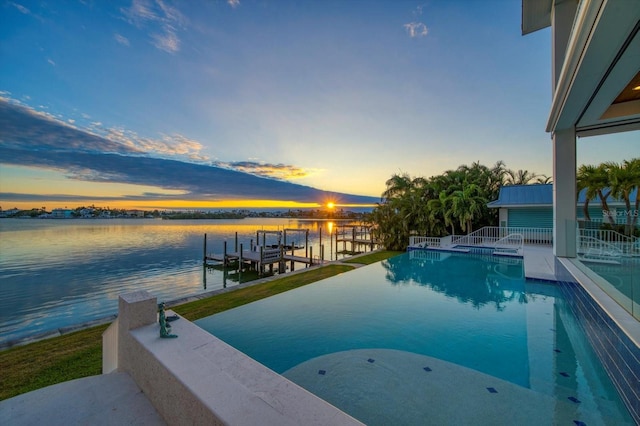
(540, 263)
(107, 399)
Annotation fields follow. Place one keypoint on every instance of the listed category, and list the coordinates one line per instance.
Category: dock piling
(204, 255)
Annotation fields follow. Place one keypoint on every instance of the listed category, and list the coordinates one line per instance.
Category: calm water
(475, 311)
(60, 273)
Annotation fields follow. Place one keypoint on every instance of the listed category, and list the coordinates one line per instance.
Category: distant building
(8, 213)
(86, 213)
(532, 206)
(61, 213)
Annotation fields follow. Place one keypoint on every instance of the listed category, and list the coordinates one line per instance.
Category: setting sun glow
(330, 205)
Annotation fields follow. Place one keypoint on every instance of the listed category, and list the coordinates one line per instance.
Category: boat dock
(260, 255)
(355, 235)
(276, 249)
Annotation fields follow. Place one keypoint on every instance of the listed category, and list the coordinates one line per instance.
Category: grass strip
(79, 354)
(374, 257)
(47, 362)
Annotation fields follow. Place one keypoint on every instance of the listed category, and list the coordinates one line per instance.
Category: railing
(510, 242)
(488, 236)
(422, 242)
(492, 234)
(590, 248)
(270, 255)
(628, 246)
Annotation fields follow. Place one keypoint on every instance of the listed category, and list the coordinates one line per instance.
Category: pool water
(473, 311)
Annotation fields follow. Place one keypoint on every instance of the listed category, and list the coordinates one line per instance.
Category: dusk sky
(205, 103)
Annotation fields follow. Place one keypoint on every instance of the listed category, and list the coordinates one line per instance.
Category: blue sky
(314, 96)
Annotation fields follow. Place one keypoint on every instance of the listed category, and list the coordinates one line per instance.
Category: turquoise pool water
(473, 311)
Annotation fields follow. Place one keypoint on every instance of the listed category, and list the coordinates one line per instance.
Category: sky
(267, 103)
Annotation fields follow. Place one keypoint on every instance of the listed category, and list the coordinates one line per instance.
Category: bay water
(60, 273)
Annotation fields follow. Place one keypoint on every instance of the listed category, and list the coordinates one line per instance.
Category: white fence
(592, 240)
(488, 236)
(423, 242)
(492, 234)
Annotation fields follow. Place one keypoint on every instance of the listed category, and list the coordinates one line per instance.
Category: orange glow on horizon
(169, 204)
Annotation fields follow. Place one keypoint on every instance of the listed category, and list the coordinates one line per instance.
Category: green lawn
(374, 257)
(79, 354)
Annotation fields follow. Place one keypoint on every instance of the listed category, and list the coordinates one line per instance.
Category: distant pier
(272, 250)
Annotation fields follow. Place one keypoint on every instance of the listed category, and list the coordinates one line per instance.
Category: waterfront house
(61, 213)
(595, 87)
(532, 206)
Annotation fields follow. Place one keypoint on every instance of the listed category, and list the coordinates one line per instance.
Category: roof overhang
(536, 15)
(594, 93)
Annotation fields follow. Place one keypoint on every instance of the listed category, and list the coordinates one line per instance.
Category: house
(9, 213)
(595, 81)
(532, 206)
(61, 213)
(135, 213)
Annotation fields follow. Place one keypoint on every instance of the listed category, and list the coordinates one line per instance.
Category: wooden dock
(355, 235)
(283, 249)
(263, 256)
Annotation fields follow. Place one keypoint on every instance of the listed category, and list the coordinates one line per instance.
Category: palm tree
(595, 179)
(544, 179)
(634, 168)
(521, 177)
(587, 178)
(440, 211)
(466, 205)
(397, 185)
(624, 179)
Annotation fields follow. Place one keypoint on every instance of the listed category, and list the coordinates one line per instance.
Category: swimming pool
(471, 315)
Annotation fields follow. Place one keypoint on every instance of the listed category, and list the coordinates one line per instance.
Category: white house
(595, 87)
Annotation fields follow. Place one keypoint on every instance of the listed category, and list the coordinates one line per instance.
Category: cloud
(418, 10)
(416, 29)
(21, 8)
(22, 127)
(194, 181)
(233, 3)
(273, 171)
(51, 62)
(31, 138)
(167, 41)
(161, 20)
(121, 39)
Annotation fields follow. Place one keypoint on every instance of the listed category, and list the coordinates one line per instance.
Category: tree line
(454, 202)
(617, 180)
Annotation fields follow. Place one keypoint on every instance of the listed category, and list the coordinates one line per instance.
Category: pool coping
(196, 378)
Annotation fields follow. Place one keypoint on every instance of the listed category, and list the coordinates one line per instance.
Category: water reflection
(58, 273)
(502, 278)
